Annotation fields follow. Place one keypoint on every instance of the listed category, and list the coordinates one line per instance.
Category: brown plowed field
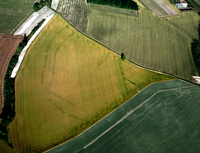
(8, 47)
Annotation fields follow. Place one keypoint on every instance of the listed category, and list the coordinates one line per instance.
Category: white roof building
(196, 79)
(181, 5)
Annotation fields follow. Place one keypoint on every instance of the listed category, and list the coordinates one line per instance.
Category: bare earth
(8, 47)
(160, 8)
(75, 12)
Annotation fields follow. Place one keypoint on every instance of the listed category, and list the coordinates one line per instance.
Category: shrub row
(127, 4)
(8, 111)
(38, 5)
(195, 47)
(34, 30)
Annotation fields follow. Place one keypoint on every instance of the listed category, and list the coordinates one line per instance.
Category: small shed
(196, 79)
(181, 5)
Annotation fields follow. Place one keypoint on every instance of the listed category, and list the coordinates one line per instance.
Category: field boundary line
(111, 9)
(23, 53)
(34, 19)
(29, 14)
(54, 4)
(128, 114)
(113, 50)
(68, 141)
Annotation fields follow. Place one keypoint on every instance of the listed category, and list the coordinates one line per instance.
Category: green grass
(66, 83)
(162, 44)
(12, 13)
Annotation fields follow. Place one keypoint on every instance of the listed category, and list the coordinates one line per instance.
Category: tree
(199, 30)
(36, 6)
(122, 56)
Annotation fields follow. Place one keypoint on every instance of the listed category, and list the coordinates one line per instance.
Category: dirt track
(33, 21)
(8, 47)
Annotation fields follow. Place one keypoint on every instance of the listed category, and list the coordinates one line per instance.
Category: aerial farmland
(162, 44)
(13, 13)
(8, 46)
(99, 77)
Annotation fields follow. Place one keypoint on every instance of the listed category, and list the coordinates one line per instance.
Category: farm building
(196, 79)
(181, 5)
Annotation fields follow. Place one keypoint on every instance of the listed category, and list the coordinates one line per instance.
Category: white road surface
(44, 13)
(54, 4)
(33, 21)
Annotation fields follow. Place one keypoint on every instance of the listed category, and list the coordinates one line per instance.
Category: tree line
(8, 111)
(127, 4)
(38, 5)
(195, 47)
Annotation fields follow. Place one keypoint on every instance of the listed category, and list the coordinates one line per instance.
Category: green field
(167, 122)
(162, 44)
(66, 83)
(164, 117)
(12, 14)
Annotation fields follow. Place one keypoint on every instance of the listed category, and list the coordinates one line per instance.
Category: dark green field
(12, 14)
(164, 117)
(195, 4)
(115, 10)
(161, 44)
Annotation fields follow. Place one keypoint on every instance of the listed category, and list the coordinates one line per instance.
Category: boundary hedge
(127, 4)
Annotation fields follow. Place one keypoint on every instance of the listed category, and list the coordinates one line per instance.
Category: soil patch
(8, 47)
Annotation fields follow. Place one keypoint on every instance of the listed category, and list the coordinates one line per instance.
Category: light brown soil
(8, 47)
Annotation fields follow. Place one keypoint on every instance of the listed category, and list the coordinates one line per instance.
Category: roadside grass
(12, 13)
(161, 44)
(66, 83)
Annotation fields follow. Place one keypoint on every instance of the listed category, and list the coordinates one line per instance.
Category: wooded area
(127, 4)
(8, 111)
(195, 46)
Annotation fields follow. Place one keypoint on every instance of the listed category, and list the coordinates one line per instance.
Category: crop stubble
(75, 12)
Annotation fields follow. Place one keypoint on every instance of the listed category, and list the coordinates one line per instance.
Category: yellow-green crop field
(162, 44)
(66, 83)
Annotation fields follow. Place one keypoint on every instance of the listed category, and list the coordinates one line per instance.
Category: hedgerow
(127, 4)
